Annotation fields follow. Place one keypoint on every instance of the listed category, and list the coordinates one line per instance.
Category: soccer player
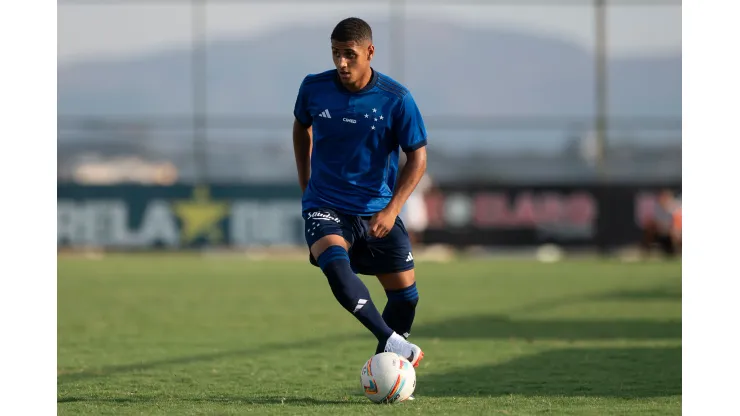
(351, 123)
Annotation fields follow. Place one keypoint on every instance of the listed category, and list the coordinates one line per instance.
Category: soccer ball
(388, 378)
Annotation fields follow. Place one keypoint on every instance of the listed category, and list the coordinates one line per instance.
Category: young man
(350, 123)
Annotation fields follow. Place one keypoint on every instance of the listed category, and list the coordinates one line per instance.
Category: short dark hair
(352, 29)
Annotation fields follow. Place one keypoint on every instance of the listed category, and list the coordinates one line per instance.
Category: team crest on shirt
(374, 117)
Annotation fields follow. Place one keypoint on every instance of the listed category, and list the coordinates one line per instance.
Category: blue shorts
(368, 255)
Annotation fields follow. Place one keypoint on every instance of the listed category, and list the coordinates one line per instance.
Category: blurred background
(552, 123)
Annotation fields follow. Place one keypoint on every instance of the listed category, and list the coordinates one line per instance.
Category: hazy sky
(90, 30)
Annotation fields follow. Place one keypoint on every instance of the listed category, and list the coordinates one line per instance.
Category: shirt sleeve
(408, 125)
(300, 111)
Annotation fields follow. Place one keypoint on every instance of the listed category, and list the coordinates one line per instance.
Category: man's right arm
(302, 136)
(302, 141)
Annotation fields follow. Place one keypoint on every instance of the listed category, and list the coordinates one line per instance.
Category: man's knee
(398, 280)
(335, 264)
(408, 295)
(320, 246)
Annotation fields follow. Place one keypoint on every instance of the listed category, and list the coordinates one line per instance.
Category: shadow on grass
(267, 400)
(471, 327)
(502, 327)
(608, 372)
(658, 293)
(667, 293)
(260, 349)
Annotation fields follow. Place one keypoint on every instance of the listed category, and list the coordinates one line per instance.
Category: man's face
(352, 60)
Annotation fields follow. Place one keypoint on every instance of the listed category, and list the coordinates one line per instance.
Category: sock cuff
(331, 254)
(407, 294)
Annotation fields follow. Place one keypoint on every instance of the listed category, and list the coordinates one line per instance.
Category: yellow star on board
(200, 216)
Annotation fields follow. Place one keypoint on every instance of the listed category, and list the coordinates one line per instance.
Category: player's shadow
(503, 327)
(195, 358)
(227, 400)
(599, 372)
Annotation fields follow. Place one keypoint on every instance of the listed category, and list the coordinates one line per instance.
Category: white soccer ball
(388, 378)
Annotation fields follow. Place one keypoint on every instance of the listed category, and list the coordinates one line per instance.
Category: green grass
(190, 335)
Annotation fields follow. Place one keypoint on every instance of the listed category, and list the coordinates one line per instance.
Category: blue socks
(400, 310)
(351, 292)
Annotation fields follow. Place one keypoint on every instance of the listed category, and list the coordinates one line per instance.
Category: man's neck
(362, 82)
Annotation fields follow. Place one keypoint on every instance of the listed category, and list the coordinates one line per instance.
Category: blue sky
(95, 31)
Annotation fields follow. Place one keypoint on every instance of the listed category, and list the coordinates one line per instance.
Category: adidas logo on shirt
(325, 114)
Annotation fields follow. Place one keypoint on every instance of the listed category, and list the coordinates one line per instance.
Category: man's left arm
(413, 171)
(408, 128)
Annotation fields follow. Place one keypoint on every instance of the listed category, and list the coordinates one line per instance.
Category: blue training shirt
(356, 140)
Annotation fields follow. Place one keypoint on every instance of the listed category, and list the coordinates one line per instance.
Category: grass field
(195, 335)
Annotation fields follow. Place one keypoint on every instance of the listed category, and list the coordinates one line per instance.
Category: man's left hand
(382, 223)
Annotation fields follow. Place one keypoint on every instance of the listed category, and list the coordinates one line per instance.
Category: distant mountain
(451, 70)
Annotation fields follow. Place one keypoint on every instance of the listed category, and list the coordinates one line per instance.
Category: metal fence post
(601, 87)
(199, 90)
